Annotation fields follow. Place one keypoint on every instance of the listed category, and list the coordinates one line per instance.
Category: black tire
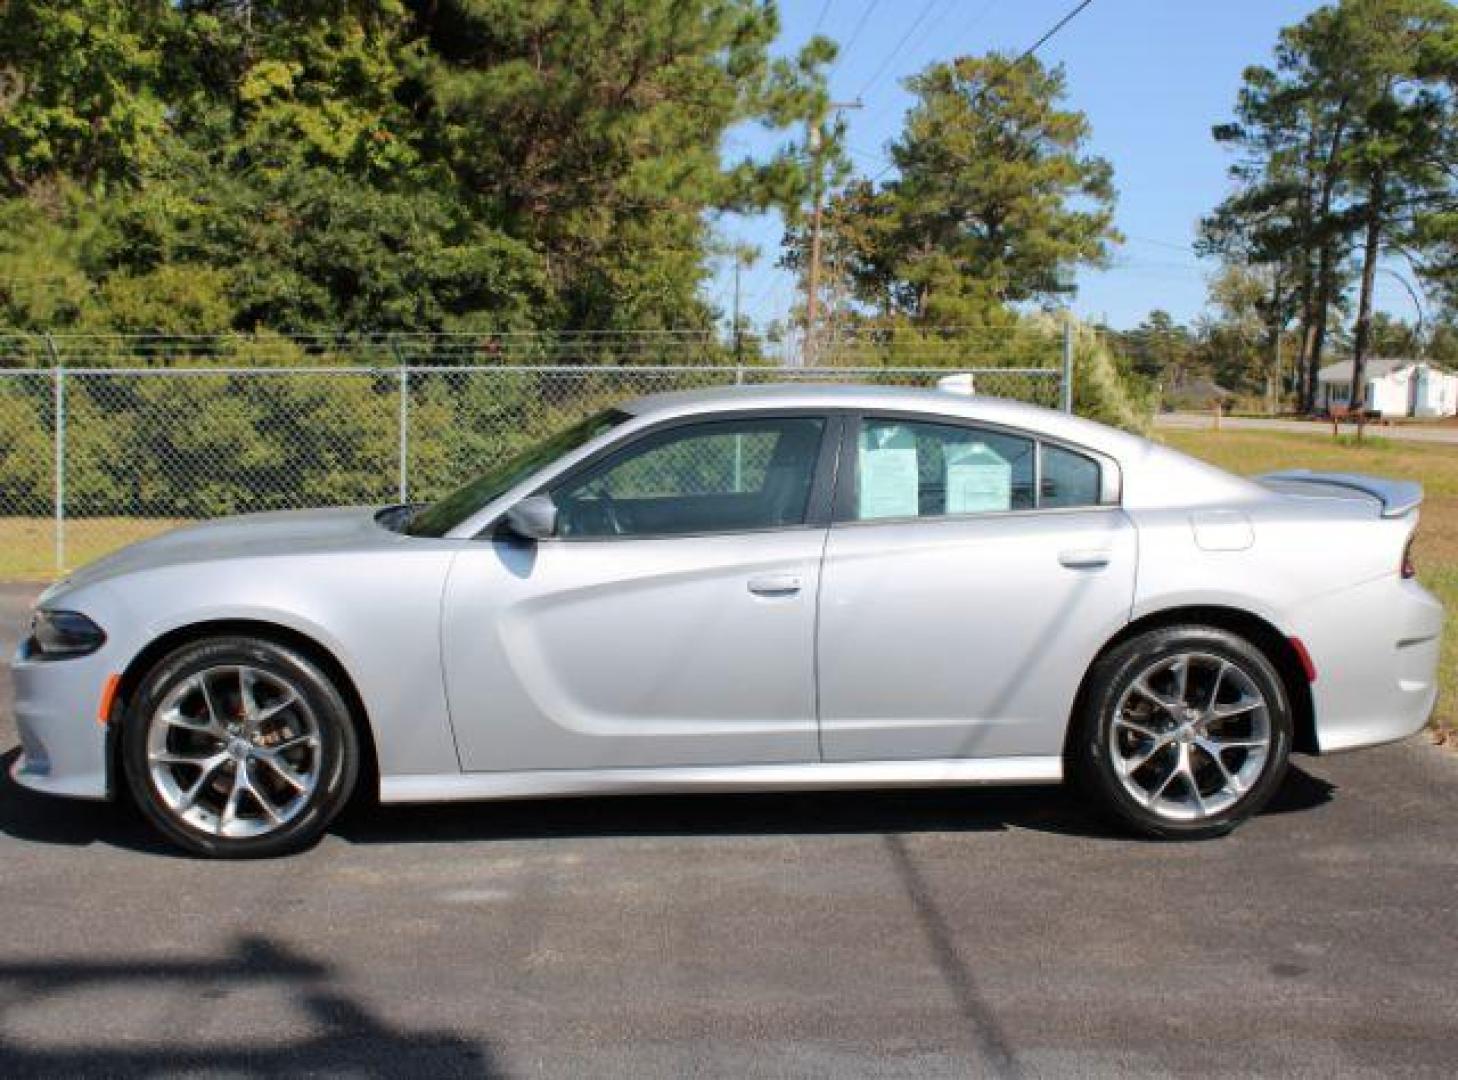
(332, 738)
(1092, 763)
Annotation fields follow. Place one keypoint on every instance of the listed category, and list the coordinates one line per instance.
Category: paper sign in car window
(888, 469)
(979, 479)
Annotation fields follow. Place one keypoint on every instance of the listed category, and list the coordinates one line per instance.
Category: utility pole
(1273, 377)
(812, 284)
(1274, 406)
(738, 340)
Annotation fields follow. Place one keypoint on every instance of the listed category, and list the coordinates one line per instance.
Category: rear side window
(914, 469)
(908, 468)
(1069, 479)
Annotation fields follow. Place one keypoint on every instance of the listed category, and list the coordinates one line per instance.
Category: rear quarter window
(1069, 479)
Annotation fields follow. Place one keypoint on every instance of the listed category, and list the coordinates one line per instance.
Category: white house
(1395, 387)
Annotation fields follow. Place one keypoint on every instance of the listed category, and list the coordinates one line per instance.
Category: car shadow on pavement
(1043, 809)
(346, 1038)
(25, 815)
(28, 816)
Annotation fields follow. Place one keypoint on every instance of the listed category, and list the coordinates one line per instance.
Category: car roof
(992, 410)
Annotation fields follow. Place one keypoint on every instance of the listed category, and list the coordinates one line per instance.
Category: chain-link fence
(95, 456)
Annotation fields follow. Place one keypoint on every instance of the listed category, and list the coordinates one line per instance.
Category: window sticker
(888, 473)
(979, 479)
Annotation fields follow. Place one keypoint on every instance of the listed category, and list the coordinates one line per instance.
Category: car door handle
(1087, 559)
(775, 585)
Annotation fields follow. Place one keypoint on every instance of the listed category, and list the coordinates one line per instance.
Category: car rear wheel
(239, 747)
(1186, 733)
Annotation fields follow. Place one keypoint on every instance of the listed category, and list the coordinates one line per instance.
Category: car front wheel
(239, 747)
(1186, 732)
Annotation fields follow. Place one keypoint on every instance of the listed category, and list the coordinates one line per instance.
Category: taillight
(1409, 568)
(1308, 666)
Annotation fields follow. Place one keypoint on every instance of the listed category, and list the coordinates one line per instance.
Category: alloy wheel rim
(234, 751)
(1191, 736)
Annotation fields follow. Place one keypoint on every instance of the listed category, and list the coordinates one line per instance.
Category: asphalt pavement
(1000, 933)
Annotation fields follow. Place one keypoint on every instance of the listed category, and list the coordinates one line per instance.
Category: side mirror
(534, 518)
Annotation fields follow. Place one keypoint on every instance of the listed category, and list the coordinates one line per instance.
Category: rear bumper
(63, 749)
(1376, 651)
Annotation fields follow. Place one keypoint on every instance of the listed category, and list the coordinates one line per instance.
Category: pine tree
(996, 200)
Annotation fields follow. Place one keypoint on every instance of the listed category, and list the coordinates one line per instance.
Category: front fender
(376, 614)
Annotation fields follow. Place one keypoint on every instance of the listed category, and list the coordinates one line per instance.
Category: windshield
(441, 517)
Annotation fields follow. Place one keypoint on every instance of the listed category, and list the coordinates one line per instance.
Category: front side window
(717, 476)
(441, 517)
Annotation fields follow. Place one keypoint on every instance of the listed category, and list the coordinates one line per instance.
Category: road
(1183, 421)
(911, 935)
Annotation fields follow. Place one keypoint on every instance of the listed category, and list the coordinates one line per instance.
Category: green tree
(1160, 349)
(44, 280)
(1407, 54)
(78, 91)
(1237, 338)
(380, 166)
(387, 164)
(1395, 337)
(592, 133)
(1293, 123)
(1347, 155)
(996, 200)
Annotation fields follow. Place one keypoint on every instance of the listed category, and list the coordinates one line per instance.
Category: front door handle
(775, 585)
(1090, 559)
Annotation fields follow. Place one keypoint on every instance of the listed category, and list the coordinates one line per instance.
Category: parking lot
(912, 935)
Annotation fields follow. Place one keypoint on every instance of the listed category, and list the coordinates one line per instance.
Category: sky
(1153, 76)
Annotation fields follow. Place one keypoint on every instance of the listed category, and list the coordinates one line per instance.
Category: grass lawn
(1434, 466)
(28, 545)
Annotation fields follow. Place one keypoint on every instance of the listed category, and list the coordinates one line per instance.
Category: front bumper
(63, 747)
(1376, 650)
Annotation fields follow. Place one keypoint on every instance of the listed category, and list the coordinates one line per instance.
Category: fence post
(58, 375)
(403, 487)
(1066, 390)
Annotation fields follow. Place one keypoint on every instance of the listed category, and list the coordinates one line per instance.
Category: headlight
(56, 635)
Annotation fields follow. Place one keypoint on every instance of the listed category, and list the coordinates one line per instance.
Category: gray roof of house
(1201, 387)
(1377, 366)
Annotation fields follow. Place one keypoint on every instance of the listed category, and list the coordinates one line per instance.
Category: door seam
(840, 430)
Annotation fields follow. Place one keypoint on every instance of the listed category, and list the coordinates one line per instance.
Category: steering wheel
(610, 511)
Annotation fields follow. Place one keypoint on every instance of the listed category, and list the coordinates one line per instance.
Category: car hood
(289, 532)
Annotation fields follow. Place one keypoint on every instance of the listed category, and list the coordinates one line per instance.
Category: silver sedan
(746, 590)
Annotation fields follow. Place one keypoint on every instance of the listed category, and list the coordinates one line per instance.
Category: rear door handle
(775, 585)
(1089, 559)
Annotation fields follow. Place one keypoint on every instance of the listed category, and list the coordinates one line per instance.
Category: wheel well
(173, 640)
(1273, 644)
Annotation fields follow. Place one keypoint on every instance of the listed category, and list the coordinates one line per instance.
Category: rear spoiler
(1398, 497)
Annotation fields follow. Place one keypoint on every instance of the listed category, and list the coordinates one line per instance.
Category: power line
(1029, 51)
(978, 18)
(894, 53)
(1059, 25)
(1150, 265)
(819, 22)
(931, 27)
(846, 48)
(1186, 248)
(854, 151)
